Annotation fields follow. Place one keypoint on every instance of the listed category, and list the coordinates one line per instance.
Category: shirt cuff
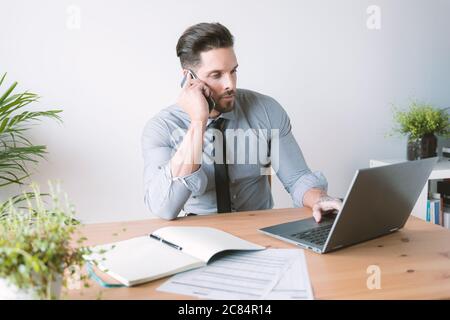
(195, 182)
(304, 183)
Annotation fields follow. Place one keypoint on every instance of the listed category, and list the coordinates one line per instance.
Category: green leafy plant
(16, 151)
(39, 242)
(421, 119)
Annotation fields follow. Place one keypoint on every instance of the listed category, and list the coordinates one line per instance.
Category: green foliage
(39, 242)
(16, 151)
(422, 119)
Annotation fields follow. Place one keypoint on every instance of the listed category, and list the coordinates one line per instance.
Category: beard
(224, 105)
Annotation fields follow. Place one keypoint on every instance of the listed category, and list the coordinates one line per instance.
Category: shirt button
(234, 197)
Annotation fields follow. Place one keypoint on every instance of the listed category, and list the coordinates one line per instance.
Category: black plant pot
(421, 148)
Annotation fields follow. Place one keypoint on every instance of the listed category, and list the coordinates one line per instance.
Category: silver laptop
(378, 202)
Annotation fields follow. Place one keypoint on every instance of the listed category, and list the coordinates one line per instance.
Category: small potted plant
(37, 251)
(422, 122)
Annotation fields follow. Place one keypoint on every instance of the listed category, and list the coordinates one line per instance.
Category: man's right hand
(324, 205)
(192, 99)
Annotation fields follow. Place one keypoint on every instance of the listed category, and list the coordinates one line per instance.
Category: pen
(166, 242)
(171, 244)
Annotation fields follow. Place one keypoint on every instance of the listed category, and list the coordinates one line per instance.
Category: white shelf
(440, 171)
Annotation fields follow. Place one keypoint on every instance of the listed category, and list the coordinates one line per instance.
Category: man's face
(218, 70)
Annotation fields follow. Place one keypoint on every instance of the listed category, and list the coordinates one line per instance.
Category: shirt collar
(229, 115)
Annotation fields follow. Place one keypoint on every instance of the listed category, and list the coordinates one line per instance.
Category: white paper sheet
(247, 275)
(295, 283)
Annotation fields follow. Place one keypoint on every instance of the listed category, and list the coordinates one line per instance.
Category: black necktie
(221, 171)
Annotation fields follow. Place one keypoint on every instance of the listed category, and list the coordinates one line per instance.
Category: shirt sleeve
(287, 158)
(165, 195)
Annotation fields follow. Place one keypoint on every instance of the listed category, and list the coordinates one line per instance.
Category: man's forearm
(312, 196)
(189, 155)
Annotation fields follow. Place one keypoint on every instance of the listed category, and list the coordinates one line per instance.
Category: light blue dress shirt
(168, 196)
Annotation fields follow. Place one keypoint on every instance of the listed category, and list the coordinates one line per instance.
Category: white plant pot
(9, 291)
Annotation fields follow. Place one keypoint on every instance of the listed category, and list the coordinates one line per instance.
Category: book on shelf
(438, 199)
(446, 218)
(434, 211)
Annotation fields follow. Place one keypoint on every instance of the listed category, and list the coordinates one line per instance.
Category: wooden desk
(414, 262)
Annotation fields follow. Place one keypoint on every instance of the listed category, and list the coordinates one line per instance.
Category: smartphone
(211, 102)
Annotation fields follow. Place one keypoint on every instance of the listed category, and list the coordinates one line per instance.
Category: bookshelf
(440, 171)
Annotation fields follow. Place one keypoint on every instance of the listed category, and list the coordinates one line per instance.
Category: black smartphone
(210, 100)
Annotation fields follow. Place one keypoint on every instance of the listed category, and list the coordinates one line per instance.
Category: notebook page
(204, 242)
(142, 259)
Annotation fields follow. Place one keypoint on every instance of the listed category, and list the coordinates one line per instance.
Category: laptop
(378, 202)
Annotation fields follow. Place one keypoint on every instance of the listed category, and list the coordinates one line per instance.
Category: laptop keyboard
(317, 235)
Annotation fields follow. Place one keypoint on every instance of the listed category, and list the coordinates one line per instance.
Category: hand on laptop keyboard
(325, 205)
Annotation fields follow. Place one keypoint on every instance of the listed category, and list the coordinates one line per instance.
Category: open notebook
(165, 252)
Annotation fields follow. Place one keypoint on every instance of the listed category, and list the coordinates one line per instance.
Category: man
(177, 177)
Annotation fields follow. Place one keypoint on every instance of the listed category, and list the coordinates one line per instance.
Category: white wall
(336, 78)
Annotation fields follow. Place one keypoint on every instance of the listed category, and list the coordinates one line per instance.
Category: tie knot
(218, 124)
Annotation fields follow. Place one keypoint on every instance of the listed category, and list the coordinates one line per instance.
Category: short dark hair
(200, 38)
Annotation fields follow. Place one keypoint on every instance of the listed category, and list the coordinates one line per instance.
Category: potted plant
(422, 122)
(37, 247)
(16, 150)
